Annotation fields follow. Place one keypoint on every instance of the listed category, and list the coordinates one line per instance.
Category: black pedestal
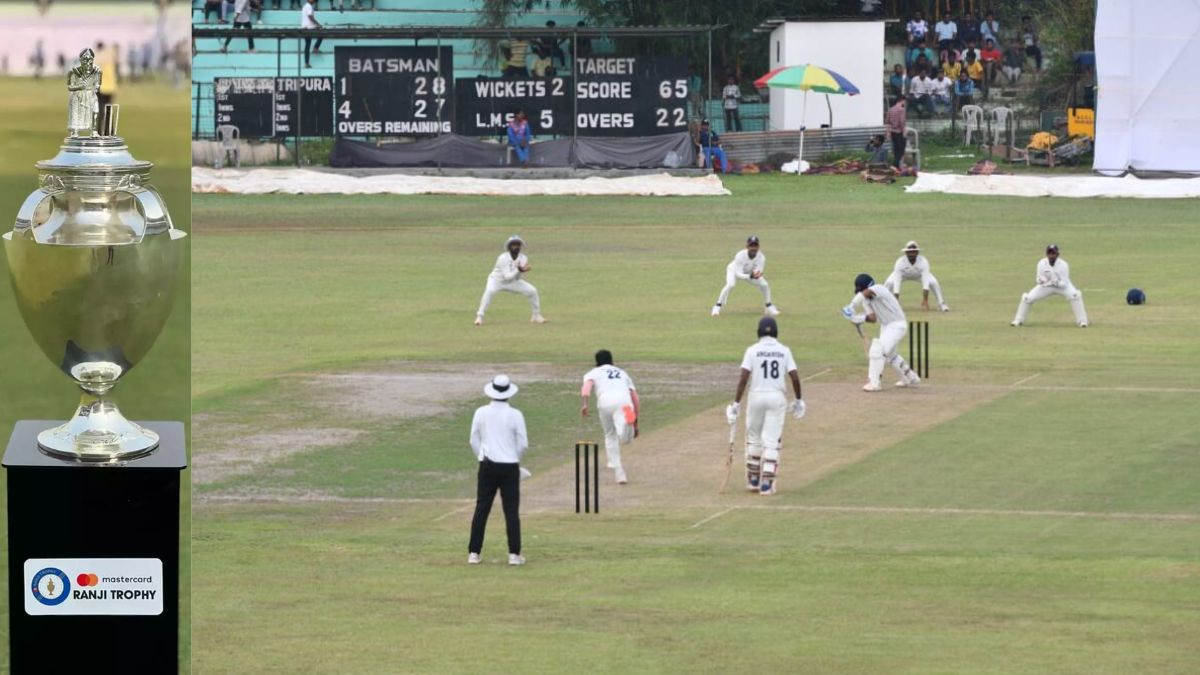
(89, 538)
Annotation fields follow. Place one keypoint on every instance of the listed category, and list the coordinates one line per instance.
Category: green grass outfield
(1034, 507)
(154, 121)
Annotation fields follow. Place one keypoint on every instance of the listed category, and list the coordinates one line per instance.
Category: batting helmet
(862, 281)
(767, 326)
(1135, 296)
(1052, 248)
(752, 240)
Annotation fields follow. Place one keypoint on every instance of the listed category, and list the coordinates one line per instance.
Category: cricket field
(1033, 507)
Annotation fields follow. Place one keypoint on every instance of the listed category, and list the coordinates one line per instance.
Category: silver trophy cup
(94, 260)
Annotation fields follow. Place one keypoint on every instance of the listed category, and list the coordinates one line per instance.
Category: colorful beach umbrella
(806, 78)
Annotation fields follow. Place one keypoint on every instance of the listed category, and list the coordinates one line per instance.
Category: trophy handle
(154, 210)
(30, 208)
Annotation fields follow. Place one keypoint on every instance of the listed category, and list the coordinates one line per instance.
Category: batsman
(880, 306)
(763, 369)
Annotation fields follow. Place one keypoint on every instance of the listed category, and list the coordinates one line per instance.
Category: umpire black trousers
(505, 478)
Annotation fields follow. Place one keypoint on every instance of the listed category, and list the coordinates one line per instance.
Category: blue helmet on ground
(1135, 296)
(862, 281)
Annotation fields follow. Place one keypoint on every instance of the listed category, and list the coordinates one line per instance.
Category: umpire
(498, 438)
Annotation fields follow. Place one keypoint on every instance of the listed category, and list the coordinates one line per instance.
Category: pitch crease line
(1027, 379)
(901, 510)
(451, 513)
(714, 516)
(816, 375)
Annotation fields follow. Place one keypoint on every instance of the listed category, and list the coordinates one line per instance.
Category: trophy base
(98, 433)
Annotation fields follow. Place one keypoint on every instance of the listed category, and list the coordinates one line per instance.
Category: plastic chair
(972, 120)
(227, 137)
(912, 146)
(1000, 118)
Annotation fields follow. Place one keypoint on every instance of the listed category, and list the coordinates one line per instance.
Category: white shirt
(921, 85)
(884, 306)
(306, 16)
(1057, 275)
(769, 361)
(917, 28)
(241, 10)
(743, 264)
(731, 93)
(912, 271)
(498, 433)
(610, 383)
(507, 269)
(946, 30)
(990, 30)
(940, 86)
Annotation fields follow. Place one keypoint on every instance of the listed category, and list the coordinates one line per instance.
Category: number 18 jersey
(769, 362)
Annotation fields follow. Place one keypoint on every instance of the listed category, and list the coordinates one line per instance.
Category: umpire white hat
(500, 388)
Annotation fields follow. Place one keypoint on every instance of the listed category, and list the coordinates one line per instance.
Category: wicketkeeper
(1053, 278)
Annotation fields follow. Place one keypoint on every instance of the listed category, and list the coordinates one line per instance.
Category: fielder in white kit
(878, 305)
(506, 276)
(764, 366)
(748, 265)
(1053, 278)
(617, 401)
(912, 266)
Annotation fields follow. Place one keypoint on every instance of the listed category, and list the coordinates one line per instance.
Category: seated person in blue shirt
(710, 146)
(519, 136)
(964, 89)
(877, 150)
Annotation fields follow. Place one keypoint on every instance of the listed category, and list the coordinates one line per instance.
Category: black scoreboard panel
(315, 106)
(484, 105)
(393, 91)
(631, 95)
(248, 103)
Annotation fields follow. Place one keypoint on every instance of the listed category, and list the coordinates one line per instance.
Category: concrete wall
(853, 49)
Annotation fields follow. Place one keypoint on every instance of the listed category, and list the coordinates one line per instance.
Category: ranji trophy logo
(94, 260)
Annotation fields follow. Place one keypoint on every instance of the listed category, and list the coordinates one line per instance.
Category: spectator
(241, 19)
(970, 48)
(897, 122)
(918, 52)
(37, 60)
(974, 70)
(916, 28)
(964, 89)
(519, 136)
(543, 65)
(696, 90)
(1014, 61)
(214, 7)
(1029, 38)
(227, 10)
(308, 20)
(731, 96)
(968, 30)
(922, 64)
(991, 58)
(876, 151)
(941, 94)
(897, 83)
(919, 91)
(516, 53)
(990, 28)
(952, 67)
(947, 33)
(710, 147)
(871, 7)
(551, 47)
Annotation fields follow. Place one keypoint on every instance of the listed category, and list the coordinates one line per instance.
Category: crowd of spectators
(957, 62)
(227, 11)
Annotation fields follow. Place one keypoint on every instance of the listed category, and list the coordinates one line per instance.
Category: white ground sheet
(300, 181)
(1058, 186)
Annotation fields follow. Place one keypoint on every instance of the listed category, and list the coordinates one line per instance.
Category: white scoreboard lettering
(393, 91)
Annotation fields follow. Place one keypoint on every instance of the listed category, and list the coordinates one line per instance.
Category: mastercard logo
(85, 580)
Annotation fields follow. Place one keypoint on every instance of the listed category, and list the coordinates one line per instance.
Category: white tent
(1148, 116)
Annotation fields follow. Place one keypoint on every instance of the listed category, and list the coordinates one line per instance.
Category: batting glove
(858, 318)
(799, 408)
(731, 412)
(848, 311)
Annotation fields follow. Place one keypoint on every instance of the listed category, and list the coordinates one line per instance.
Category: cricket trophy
(94, 261)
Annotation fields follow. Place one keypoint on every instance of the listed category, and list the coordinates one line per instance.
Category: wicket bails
(591, 476)
(918, 347)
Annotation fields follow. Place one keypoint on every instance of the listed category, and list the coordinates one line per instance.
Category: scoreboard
(393, 91)
(314, 106)
(486, 104)
(247, 103)
(631, 95)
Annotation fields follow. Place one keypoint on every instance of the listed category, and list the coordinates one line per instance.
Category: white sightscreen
(853, 49)
(1148, 98)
